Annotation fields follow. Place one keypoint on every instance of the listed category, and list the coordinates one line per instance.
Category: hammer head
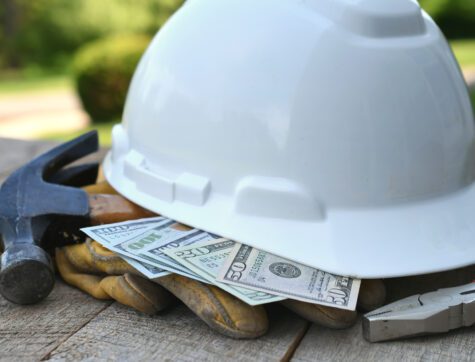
(29, 199)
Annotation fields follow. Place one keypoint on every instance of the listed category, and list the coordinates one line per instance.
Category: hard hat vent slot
(189, 188)
(192, 189)
(146, 181)
(276, 197)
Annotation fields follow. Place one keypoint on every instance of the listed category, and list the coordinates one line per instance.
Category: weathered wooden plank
(324, 345)
(119, 333)
(32, 332)
(321, 344)
(15, 153)
(71, 325)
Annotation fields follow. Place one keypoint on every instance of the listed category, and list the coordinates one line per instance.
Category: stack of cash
(159, 246)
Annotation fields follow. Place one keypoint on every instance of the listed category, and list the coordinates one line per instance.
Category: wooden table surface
(70, 325)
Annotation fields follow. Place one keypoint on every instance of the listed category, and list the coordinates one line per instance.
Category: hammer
(42, 200)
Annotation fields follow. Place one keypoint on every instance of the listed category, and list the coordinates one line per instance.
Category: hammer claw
(76, 176)
(64, 154)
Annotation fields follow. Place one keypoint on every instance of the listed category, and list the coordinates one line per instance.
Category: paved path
(29, 116)
(469, 75)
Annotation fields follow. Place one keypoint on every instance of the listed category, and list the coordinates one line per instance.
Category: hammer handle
(108, 209)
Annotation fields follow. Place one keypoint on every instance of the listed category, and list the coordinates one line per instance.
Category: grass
(104, 130)
(464, 52)
(14, 84)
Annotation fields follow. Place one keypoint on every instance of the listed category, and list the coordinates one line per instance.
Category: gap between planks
(60, 342)
(177, 335)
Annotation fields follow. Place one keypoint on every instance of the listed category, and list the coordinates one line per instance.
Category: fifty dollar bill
(255, 269)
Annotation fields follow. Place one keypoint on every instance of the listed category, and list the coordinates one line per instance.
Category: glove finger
(137, 292)
(372, 294)
(91, 257)
(334, 318)
(107, 261)
(102, 187)
(86, 282)
(221, 311)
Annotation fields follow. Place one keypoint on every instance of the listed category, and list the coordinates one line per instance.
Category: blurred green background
(89, 48)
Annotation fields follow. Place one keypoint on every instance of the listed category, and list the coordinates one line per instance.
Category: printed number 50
(337, 296)
(235, 273)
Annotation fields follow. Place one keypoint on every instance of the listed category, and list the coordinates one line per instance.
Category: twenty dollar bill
(150, 246)
(206, 258)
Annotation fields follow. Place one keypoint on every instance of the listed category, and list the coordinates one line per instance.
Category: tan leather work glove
(372, 295)
(101, 273)
(104, 275)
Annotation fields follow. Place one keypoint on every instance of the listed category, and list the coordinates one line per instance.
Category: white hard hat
(337, 133)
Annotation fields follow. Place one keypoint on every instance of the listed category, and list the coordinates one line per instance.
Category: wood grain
(15, 153)
(70, 325)
(178, 335)
(32, 332)
(321, 344)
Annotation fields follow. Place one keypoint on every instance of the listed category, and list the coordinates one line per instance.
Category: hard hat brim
(402, 240)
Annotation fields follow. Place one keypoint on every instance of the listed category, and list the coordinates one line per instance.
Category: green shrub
(103, 70)
(456, 18)
(48, 32)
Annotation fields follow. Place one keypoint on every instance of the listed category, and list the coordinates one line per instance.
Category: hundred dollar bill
(147, 270)
(111, 235)
(151, 245)
(205, 259)
(132, 238)
(108, 236)
(252, 268)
